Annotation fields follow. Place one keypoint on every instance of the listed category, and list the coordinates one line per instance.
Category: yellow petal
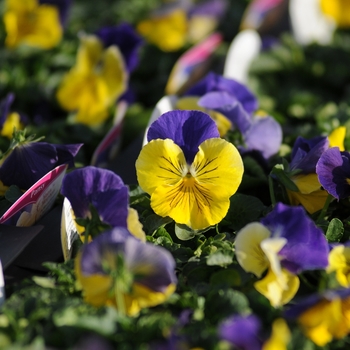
(248, 250)
(134, 225)
(339, 261)
(336, 138)
(89, 54)
(161, 162)
(339, 10)
(280, 336)
(321, 322)
(168, 32)
(271, 288)
(13, 120)
(200, 27)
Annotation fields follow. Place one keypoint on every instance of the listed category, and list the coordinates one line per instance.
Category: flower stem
(324, 209)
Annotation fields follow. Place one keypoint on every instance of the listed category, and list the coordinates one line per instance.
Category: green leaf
(335, 231)
(153, 222)
(243, 210)
(221, 258)
(184, 233)
(283, 178)
(226, 278)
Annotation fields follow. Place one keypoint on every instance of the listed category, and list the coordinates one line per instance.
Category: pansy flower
(27, 160)
(92, 86)
(244, 332)
(285, 243)
(323, 317)
(336, 137)
(106, 193)
(34, 23)
(9, 121)
(117, 269)
(305, 155)
(333, 171)
(189, 172)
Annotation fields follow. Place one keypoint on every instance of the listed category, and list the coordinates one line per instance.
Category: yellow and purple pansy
(323, 317)
(9, 121)
(284, 243)
(117, 269)
(188, 170)
(305, 155)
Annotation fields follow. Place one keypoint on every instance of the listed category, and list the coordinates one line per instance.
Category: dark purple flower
(333, 171)
(215, 82)
(63, 8)
(242, 332)
(210, 8)
(306, 153)
(103, 189)
(30, 161)
(188, 129)
(125, 37)
(306, 247)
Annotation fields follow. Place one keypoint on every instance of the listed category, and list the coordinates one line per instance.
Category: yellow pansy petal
(161, 162)
(200, 27)
(339, 261)
(321, 321)
(219, 163)
(13, 120)
(312, 202)
(89, 53)
(248, 250)
(271, 288)
(271, 247)
(135, 226)
(280, 336)
(336, 138)
(114, 73)
(168, 32)
(189, 103)
(307, 183)
(338, 10)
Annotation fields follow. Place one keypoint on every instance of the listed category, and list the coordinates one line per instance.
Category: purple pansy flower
(179, 125)
(263, 134)
(103, 189)
(125, 37)
(214, 82)
(306, 153)
(29, 161)
(242, 332)
(333, 170)
(306, 247)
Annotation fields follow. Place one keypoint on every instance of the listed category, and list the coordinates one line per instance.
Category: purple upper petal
(5, 105)
(152, 266)
(102, 188)
(27, 163)
(264, 135)
(63, 8)
(188, 129)
(333, 170)
(242, 332)
(125, 37)
(306, 247)
(215, 82)
(306, 153)
(66, 153)
(228, 106)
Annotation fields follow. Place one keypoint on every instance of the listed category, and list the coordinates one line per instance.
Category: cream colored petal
(248, 248)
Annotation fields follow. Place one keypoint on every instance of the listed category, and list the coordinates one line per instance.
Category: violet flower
(333, 171)
(28, 161)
